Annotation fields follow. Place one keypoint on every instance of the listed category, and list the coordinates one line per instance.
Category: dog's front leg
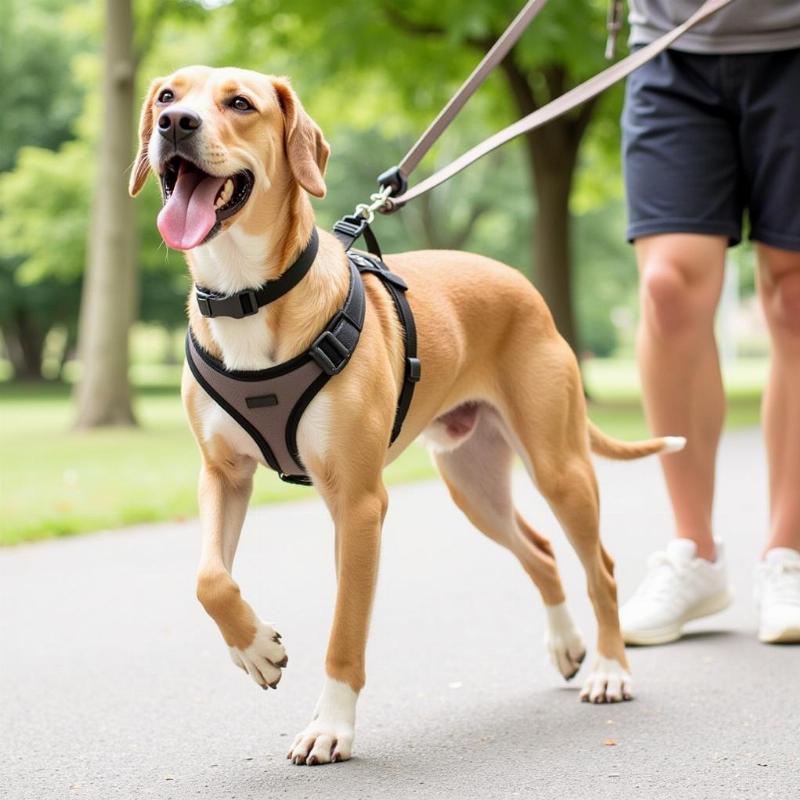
(254, 645)
(358, 517)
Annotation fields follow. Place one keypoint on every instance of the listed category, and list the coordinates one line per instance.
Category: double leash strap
(394, 181)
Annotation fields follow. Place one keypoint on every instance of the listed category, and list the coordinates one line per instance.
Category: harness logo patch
(262, 401)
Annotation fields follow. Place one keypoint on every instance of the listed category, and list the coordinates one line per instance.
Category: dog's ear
(141, 166)
(306, 148)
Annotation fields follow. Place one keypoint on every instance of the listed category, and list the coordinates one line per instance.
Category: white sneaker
(678, 587)
(778, 594)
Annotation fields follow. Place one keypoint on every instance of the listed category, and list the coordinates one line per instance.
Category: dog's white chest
(312, 432)
(246, 343)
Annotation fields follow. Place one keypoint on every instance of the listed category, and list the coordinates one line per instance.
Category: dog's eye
(241, 104)
(166, 96)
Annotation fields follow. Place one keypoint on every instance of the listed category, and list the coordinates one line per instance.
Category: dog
(498, 381)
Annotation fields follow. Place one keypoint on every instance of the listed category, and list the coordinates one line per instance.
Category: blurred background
(92, 303)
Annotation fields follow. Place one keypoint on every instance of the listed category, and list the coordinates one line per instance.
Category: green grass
(56, 482)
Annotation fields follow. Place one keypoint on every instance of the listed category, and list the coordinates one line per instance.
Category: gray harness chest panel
(269, 403)
(263, 406)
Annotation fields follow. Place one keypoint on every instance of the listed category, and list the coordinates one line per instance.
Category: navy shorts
(707, 138)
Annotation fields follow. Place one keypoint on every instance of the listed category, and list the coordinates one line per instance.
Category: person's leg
(779, 290)
(769, 121)
(681, 281)
(683, 189)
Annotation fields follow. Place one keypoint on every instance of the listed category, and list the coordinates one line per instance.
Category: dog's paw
(564, 641)
(322, 743)
(609, 682)
(264, 659)
(329, 736)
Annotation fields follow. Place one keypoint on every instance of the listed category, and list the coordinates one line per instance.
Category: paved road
(114, 684)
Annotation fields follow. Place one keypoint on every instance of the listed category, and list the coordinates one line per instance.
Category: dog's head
(219, 138)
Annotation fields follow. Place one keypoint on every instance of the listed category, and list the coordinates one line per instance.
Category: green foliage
(605, 278)
(44, 205)
(37, 94)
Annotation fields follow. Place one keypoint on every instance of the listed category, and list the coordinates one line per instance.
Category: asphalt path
(114, 683)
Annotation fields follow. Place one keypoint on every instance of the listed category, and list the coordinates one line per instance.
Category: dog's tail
(605, 445)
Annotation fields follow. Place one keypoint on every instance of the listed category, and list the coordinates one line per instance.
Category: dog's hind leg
(547, 419)
(478, 476)
(255, 646)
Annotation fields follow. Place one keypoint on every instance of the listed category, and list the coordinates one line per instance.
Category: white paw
(264, 658)
(563, 641)
(609, 682)
(329, 736)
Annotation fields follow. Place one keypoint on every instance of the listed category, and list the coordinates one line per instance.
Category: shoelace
(784, 583)
(659, 583)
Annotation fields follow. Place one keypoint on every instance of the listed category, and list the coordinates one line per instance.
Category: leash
(394, 192)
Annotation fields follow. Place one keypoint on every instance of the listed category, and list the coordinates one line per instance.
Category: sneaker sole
(782, 636)
(671, 633)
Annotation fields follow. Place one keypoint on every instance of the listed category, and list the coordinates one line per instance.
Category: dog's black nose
(176, 124)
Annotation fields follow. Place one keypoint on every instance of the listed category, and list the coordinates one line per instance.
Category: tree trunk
(24, 341)
(109, 290)
(553, 161)
(552, 157)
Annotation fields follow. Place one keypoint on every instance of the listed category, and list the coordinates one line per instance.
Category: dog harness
(269, 403)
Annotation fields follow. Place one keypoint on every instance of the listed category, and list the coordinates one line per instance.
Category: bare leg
(779, 289)
(681, 281)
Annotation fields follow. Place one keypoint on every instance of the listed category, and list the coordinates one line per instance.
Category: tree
(103, 396)
(42, 239)
(42, 102)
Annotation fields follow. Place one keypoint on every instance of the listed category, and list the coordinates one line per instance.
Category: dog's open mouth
(196, 203)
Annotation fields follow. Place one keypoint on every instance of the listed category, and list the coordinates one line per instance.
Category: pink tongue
(189, 214)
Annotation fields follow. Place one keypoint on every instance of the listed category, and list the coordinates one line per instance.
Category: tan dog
(498, 380)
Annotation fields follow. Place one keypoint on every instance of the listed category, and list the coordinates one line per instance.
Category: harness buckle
(241, 304)
(413, 370)
(350, 226)
(249, 302)
(325, 362)
(203, 304)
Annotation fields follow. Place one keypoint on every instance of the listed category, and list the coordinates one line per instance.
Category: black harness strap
(247, 302)
(347, 230)
(397, 288)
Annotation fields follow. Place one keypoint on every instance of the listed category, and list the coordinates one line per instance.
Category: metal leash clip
(378, 200)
